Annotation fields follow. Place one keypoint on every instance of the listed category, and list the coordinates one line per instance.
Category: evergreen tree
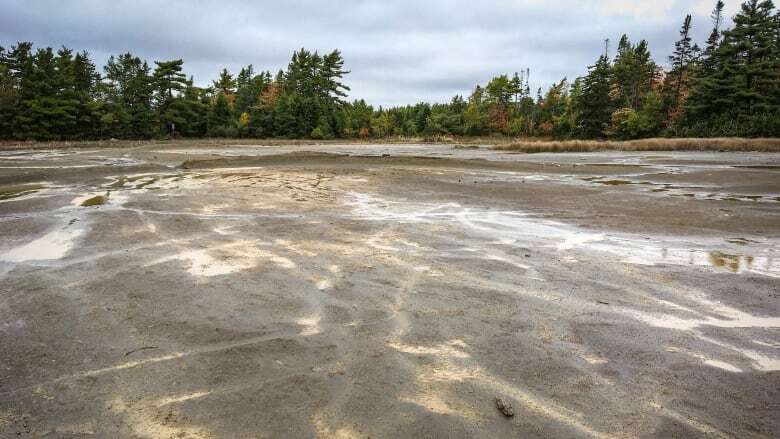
(169, 83)
(517, 86)
(8, 95)
(708, 62)
(249, 88)
(705, 85)
(129, 91)
(677, 81)
(85, 89)
(225, 85)
(740, 85)
(220, 117)
(594, 105)
(634, 73)
(552, 109)
(752, 47)
(186, 114)
(330, 73)
(49, 108)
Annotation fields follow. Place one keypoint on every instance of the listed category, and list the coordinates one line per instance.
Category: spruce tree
(594, 105)
(8, 96)
(249, 87)
(676, 85)
(634, 73)
(752, 46)
(741, 78)
(705, 88)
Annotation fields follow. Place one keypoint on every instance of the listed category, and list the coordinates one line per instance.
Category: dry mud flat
(388, 291)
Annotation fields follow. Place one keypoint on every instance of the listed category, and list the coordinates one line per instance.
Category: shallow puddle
(672, 190)
(635, 181)
(117, 161)
(733, 263)
(28, 154)
(614, 182)
(519, 229)
(762, 167)
(55, 244)
(740, 241)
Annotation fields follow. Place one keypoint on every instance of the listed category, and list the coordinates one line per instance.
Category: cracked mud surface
(273, 292)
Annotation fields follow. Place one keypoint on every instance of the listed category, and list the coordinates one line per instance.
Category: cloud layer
(399, 51)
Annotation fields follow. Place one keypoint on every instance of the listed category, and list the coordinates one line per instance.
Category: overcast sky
(399, 51)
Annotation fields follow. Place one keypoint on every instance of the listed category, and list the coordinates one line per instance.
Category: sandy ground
(388, 291)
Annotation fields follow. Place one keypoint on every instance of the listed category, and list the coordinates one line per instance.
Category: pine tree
(129, 91)
(225, 85)
(517, 86)
(85, 88)
(168, 80)
(500, 91)
(169, 83)
(49, 107)
(330, 73)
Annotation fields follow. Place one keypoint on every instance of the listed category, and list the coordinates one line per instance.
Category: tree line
(730, 87)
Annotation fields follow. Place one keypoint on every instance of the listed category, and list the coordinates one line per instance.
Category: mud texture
(388, 291)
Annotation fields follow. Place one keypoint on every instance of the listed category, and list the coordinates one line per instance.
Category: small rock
(505, 407)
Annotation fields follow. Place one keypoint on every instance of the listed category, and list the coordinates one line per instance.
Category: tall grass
(657, 144)
(499, 143)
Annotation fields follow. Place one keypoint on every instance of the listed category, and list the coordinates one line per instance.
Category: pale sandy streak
(163, 358)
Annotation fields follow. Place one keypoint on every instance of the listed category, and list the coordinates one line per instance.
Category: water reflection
(733, 263)
(511, 228)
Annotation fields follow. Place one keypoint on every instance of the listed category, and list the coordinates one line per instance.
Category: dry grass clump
(14, 191)
(98, 200)
(658, 144)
